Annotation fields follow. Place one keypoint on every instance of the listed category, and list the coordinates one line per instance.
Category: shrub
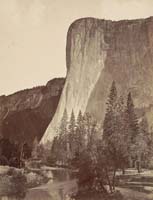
(13, 184)
(3, 160)
(18, 182)
(34, 179)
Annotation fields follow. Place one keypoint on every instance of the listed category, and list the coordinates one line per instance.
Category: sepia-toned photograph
(76, 99)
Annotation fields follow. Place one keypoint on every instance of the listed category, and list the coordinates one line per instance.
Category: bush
(5, 185)
(86, 174)
(18, 182)
(51, 160)
(11, 171)
(14, 162)
(3, 160)
(13, 184)
(34, 179)
(150, 165)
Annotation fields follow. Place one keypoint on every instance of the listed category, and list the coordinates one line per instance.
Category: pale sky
(33, 35)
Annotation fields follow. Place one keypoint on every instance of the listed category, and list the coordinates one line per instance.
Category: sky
(33, 35)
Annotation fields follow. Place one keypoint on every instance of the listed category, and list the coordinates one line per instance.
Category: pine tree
(62, 139)
(72, 124)
(64, 123)
(112, 96)
(132, 131)
(80, 119)
(88, 126)
(109, 120)
(132, 119)
(120, 138)
(80, 132)
(143, 142)
(115, 128)
(72, 135)
(54, 156)
(144, 127)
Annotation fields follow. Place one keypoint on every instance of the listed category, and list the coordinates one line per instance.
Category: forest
(99, 151)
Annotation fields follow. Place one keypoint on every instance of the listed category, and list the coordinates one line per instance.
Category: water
(61, 187)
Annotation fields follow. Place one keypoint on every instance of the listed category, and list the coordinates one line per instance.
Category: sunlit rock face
(98, 52)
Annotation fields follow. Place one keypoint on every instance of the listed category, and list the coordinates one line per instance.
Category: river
(61, 187)
(53, 191)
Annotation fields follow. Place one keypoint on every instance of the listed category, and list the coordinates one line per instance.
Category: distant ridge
(26, 114)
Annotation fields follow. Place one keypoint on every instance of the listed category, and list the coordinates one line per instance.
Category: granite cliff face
(98, 52)
(26, 114)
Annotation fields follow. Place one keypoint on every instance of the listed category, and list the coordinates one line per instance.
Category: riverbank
(53, 191)
(46, 181)
(15, 182)
(59, 190)
(61, 185)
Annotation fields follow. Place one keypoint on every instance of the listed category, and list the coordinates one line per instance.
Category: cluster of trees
(126, 138)
(17, 154)
(98, 151)
(13, 154)
(75, 135)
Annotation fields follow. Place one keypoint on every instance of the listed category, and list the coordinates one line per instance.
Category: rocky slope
(26, 114)
(98, 52)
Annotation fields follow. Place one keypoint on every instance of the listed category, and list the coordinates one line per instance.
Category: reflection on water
(61, 187)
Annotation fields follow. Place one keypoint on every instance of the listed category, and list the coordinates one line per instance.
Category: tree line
(74, 136)
(14, 154)
(99, 150)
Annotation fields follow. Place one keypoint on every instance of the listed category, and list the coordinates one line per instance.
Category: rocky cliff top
(98, 52)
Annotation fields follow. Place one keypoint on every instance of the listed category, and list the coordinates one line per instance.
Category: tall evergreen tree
(109, 120)
(115, 135)
(64, 123)
(80, 119)
(132, 131)
(143, 143)
(72, 134)
(80, 132)
(62, 139)
(132, 119)
(120, 138)
(55, 151)
(112, 96)
(72, 123)
(144, 127)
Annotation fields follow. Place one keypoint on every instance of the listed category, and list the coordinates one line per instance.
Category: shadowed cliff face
(99, 52)
(26, 114)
